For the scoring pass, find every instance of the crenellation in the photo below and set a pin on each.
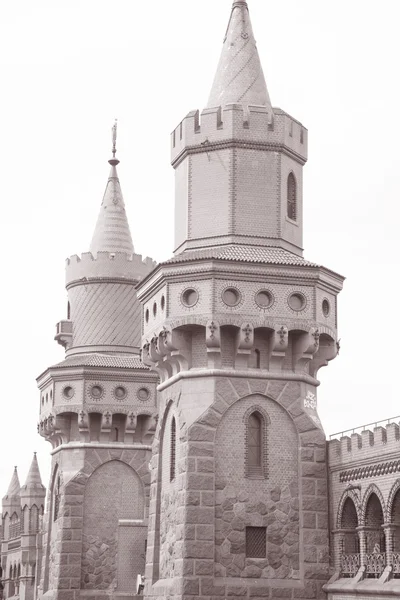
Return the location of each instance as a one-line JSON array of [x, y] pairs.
[[248, 124], [365, 445]]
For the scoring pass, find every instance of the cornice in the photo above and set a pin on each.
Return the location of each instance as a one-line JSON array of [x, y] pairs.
[[96, 445], [237, 143], [96, 279]]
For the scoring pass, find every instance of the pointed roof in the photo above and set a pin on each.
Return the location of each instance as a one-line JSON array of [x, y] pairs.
[[239, 78], [14, 487], [112, 233], [33, 479]]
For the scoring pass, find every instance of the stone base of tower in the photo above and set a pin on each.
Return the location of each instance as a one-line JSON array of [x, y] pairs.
[[225, 522], [95, 532]]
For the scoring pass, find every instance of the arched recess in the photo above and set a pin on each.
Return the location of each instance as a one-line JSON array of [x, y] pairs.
[[393, 514], [111, 553], [374, 519], [349, 523], [255, 424], [356, 501]]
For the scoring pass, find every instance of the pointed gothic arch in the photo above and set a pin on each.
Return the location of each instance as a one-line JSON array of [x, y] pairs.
[[357, 505], [372, 489]]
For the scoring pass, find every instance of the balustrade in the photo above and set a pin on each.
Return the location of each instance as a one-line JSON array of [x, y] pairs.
[[396, 564], [349, 565], [375, 564]]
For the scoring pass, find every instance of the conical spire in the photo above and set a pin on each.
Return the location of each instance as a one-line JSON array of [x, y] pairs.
[[14, 487], [33, 479], [112, 233], [239, 78]]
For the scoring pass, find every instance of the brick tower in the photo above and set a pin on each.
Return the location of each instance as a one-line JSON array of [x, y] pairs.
[[98, 410], [237, 325]]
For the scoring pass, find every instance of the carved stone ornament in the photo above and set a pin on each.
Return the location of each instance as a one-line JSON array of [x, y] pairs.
[[282, 332]]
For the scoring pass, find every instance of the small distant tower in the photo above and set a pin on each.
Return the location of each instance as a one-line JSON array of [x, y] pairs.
[[22, 510], [98, 411], [238, 325]]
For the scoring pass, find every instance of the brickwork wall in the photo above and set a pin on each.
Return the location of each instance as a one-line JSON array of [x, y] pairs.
[[181, 202], [210, 194], [256, 193], [270, 502], [298, 504]]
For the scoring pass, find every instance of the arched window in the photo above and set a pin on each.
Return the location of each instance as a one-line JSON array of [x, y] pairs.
[[57, 498], [34, 519], [255, 443], [68, 311], [15, 526], [258, 358], [291, 197], [172, 472]]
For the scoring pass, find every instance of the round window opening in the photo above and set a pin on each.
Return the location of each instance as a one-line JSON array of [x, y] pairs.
[[264, 299], [68, 392], [297, 302], [143, 394], [120, 392], [155, 309], [231, 296], [147, 315], [96, 392], [326, 309], [190, 297], [162, 302]]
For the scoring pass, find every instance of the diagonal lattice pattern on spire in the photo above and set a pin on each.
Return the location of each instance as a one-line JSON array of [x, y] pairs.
[[239, 78]]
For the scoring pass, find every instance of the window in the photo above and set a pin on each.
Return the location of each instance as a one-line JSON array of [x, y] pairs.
[[68, 311], [291, 197], [173, 450], [258, 358], [256, 542], [255, 444], [57, 498], [15, 527]]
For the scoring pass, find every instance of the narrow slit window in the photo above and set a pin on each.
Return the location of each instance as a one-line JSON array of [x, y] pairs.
[[173, 450], [255, 442], [292, 197]]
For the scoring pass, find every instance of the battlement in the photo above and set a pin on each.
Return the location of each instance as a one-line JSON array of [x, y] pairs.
[[252, 124], [363, 444], [131, 267]]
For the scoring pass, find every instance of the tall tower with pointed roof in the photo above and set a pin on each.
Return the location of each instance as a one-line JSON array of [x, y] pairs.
[[98, 411], [21, 555], [237, 325]]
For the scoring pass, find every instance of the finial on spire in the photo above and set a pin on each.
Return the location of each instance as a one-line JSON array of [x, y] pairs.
[[114, 161]]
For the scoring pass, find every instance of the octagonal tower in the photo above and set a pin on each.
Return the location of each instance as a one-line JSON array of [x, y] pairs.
[[98, 410], [237, 325]]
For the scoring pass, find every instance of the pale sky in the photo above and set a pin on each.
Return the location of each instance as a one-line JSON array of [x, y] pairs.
[[69, 67]]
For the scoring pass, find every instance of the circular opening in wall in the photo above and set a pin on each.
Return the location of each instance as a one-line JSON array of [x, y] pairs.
[[326, 309], [297, 302], [96, 392], [120, 392], [147, 315], [264, 299], [231, 296], [143, 394], [68, 392], [155, 309], [190, 297]]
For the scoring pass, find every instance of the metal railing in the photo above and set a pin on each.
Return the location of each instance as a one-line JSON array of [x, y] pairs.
[[362, 428], [375, 564], [349, 565]]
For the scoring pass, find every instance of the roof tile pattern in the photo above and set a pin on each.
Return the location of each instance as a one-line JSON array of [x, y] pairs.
[[239, 78], [112, 233], [105, 314], [102, 360], [251, 254]]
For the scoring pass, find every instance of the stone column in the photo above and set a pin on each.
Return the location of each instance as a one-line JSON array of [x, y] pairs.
[[389, 533], [363, 544]]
